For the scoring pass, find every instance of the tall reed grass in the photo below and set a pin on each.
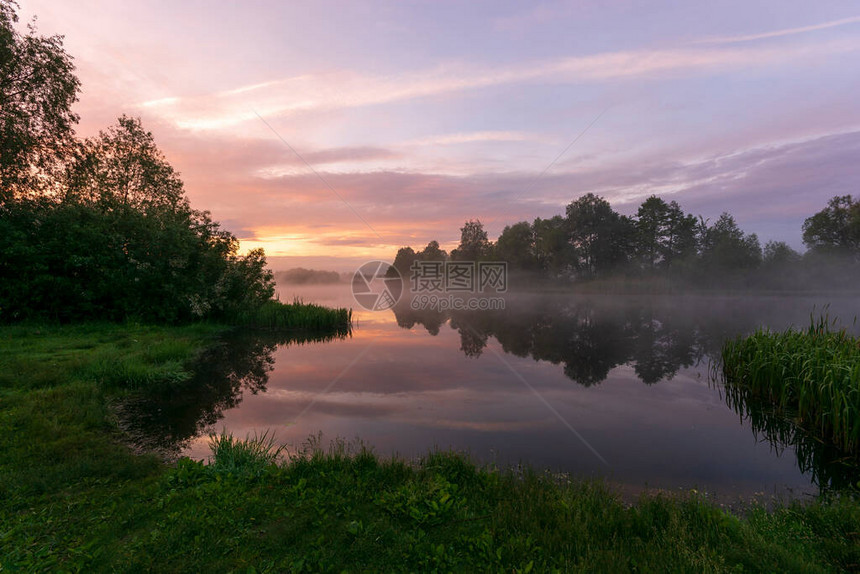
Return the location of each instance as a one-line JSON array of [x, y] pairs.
[[249, 456], [275, 315], [813, 375]]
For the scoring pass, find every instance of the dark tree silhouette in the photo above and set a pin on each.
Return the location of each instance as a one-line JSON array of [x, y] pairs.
[[600, 237], [836, 228], [37, 89], [516, 245], [726, 247], [664, 233], [432, 252], [474, 245]]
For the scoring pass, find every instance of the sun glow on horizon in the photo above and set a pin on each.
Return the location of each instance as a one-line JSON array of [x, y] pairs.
[[419, 129]]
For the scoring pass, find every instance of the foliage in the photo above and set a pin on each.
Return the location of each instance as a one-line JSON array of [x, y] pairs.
[[402, 263], [779, 254], [123, 169], [70, 260], [725, 247], [407, 256], [249, 457], [664, 234], [275, 315], [102, 227], [122, 241], [474, 244], [812, 375], [432, 252], [600, 237], [516, 246], [836, 228], [664, 247], [553, 251], [37, 90]]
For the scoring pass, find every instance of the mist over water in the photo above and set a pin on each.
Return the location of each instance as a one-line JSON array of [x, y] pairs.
[[592, 385]]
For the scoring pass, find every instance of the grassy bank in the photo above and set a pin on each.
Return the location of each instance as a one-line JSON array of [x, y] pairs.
[[812, 375], [74, 498]]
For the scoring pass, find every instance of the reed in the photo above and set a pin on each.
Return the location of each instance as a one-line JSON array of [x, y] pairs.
[[249, 456], [274, 315], [812, 375]]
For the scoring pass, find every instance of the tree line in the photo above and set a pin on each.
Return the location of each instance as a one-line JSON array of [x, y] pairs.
[[591, 240], [100, 227]]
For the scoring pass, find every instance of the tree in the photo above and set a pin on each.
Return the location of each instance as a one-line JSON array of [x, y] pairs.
[[651, 222], [102, 227], [432, 252], [37, 90], [836, 228], [474, 245], [124, 242], [663, 233], [553, 252], [123, 167], [516, 245], [403, 261], [601, 237], [726, 247], [680, 235], [779, 254]]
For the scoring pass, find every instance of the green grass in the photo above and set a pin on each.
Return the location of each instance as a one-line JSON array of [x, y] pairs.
[[812, 375], [74, 498], [249, 457], [275, 315]]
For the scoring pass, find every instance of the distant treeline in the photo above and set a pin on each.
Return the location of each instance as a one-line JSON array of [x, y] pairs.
[[302, 276], [100, 228], [592, 241]]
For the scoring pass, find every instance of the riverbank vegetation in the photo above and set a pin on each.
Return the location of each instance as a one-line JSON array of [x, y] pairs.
[[811, 375], [275, 315], [74, 497]]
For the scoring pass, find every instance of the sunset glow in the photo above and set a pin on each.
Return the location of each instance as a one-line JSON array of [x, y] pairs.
[[332, 133]]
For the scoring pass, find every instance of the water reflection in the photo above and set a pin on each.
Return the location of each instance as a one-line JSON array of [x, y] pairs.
[[829, 467], [407, 381], [589, 337], [165, 422]]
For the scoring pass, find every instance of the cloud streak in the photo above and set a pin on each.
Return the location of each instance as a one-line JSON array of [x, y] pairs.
[[473, 137], [780, 33], [349, 89]]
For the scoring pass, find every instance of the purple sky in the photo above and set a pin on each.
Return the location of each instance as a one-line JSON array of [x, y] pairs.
[[416, 116]]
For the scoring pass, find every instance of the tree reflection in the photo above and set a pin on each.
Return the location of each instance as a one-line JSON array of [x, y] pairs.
[[431, 320], [588, 338], [165, 422]]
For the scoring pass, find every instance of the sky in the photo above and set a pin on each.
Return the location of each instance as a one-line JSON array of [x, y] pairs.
[[333, 133]]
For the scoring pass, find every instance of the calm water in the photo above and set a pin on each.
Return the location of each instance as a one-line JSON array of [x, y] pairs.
[[610, 386]]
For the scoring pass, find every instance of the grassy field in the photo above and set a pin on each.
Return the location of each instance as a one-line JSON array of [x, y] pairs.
[[73, 497]]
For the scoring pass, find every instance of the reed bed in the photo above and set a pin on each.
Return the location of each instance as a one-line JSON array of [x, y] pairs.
[[275, 315], [813, 375]]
